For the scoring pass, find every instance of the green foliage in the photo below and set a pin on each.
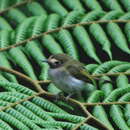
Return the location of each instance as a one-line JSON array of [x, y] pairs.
[[74, 5], [95, 44], [83, 38], [106, 66], [101, 37], [114, 5], [117, 116], [67, 42], [56, 7], [100, 113], [50, 43], [122, 81], [92, 4], [97, 95]]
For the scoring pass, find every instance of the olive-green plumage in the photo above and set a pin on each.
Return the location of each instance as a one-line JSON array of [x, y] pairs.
[[68, 74]]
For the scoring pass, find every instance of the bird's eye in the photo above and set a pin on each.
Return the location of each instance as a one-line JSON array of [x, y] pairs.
[[57, 62]]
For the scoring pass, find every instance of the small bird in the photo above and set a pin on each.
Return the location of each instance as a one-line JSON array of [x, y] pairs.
[[68, 74]]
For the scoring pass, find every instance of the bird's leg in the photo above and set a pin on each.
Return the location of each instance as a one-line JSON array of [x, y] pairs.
[[69, 96], [58, 96]]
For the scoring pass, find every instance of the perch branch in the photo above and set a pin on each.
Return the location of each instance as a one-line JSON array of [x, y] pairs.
[[14, 6], [60, 28], [105, 103], [34, 83], [72, 101], [43, 81], [80, 105]]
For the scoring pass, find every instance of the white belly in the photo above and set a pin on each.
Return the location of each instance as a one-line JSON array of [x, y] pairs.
[[65, 82]]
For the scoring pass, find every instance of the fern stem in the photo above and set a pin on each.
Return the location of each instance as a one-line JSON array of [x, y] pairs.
[[15, 5], [34, 83], [60, 28], [111, 74], [81, 123], [104, 103], [20, 101]]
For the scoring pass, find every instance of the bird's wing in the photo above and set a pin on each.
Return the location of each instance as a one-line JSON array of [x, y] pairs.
[[79, 72]]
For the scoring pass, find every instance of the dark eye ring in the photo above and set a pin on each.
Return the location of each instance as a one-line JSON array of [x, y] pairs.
[[57, 62]]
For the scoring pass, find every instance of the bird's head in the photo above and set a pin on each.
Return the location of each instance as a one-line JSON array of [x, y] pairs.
[[57, 60]]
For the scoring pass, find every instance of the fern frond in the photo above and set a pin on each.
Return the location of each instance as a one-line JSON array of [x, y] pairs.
[[122, 81], [16, 15], [19, 116], [114, 5], [92, 4], [116, 94], [99, 112], [97, 95], [66, 40], [52, 22], [118, 37], [120, 68], [106, 66], [13, 121], [83, 38], [55, 7], [99, 34], [36, 9], [91, 67], [72, 18], [25, 64], [4, 25], [4, 125], [34, 50], [117, 116], [51, 44], [74, 5], [93, 15]]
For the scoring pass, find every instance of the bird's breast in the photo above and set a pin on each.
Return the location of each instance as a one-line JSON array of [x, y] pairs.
[[65, 81]]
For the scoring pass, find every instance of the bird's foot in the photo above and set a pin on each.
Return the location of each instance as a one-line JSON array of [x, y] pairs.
[[58, 96], [69, 96]]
